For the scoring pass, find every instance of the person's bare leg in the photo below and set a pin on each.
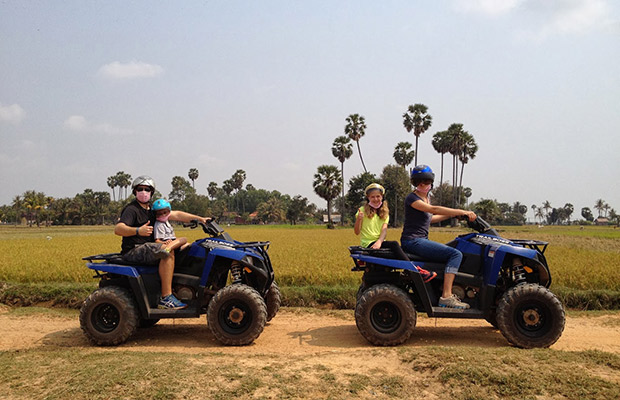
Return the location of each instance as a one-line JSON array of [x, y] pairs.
[[448, 280], [166, 271]]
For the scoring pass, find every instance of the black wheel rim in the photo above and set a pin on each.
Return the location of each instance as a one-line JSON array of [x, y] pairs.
[[105, 318], [385, 317], [235, 317], [533, 319]]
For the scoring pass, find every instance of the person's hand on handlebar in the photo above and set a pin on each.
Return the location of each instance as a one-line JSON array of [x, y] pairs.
[[470, 215]]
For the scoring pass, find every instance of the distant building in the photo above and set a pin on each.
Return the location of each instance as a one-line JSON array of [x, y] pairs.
[[335, 218], [601, 221]]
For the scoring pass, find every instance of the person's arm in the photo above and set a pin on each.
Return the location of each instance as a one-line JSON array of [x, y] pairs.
[[382, 236], [122, 229], [442, 211], [358, 221], [438, 218], [182, 216]]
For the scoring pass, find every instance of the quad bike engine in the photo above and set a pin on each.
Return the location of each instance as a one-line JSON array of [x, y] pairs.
[[184, 293]]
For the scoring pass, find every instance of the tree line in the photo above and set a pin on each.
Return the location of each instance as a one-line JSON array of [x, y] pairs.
[[233, 201]]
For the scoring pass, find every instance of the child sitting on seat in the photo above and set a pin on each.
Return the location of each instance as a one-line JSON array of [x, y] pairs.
[[163, 231]]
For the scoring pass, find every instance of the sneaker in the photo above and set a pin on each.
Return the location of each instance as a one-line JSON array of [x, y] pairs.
[[427, 276], [170, 302], [452, 302], [162, 253]]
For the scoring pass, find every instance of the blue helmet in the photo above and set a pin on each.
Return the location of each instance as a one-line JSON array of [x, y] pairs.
[[422, 173], [161, 204]]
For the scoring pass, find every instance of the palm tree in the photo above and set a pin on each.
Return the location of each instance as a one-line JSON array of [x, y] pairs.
[[112, 185], [18, 203], [355, 129], [327, 185], [441, 144], [546, 206], [416, 118], [469, 150], [455, 136], [193, 175], [342, 149], [403, 155], [599, 206]]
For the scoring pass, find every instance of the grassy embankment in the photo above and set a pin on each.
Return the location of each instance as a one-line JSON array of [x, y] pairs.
[[312, 264]]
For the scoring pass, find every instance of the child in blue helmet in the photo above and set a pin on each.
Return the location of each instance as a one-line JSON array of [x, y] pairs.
[[163, 231]]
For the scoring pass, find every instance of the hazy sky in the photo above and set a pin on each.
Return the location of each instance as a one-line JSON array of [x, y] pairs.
[[89, 88]]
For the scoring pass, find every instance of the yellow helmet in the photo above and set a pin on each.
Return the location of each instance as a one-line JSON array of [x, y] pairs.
[[374, 186]]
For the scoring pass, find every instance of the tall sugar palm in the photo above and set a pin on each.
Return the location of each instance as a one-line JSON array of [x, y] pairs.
[[456, 136], [441, 144], [355, 130], [327, 185], [193, 175], [469, 150], [403, 155], [342, 149], [417, 119], [112, 185], [599, 206]]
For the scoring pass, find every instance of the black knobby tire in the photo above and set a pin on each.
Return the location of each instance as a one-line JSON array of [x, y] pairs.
[[237, 315], [360, 291], [529, 315], [109, 316], [273, 299], [385, 315]]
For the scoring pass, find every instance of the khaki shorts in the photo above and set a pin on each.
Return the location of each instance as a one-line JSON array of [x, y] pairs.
[[143, 254]]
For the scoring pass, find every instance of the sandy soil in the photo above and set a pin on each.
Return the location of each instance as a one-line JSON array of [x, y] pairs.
[[293, 332]]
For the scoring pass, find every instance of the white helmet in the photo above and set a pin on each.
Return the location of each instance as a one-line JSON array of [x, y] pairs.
[[143, 180]]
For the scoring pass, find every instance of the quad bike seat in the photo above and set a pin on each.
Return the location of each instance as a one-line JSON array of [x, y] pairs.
[[114, 258]]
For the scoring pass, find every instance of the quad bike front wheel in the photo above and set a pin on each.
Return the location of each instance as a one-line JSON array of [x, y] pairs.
[[529, 315], [108, 317], [385, 315], [273, 299], [237, 315]]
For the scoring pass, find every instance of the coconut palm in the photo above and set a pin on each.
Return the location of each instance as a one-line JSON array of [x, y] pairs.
[[355, 129], [599, 206], [403, 155], [455, 136], [327, 185], [193, 175], [417, 119], [342, 149]]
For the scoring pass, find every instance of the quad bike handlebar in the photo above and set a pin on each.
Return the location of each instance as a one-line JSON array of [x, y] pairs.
[[211, 227]]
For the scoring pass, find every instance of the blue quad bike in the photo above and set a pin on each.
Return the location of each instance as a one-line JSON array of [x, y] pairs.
[[230, 281], [504, 281]]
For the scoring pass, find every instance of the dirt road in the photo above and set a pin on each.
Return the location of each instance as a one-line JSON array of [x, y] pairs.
[[297, 332]]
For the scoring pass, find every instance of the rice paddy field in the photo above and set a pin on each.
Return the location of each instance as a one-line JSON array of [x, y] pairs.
[[580, 259]]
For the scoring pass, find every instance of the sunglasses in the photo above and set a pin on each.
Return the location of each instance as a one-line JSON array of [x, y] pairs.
[[143, 189]]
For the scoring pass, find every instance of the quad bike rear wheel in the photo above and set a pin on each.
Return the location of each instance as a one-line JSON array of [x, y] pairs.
[[273, 299], [529, 315], [108, 317], [237, 315], [385, 315]]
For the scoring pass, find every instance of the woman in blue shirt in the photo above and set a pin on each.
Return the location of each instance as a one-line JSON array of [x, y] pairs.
[[419, 214]]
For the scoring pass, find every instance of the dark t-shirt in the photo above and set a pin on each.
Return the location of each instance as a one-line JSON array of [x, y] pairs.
[[135, 216], [416, 222]]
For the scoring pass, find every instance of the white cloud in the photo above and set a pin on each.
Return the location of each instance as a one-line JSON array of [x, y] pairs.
[[490, 8], [554, 16], [130, 70], [78, 123], [13, 113], [578, 16]]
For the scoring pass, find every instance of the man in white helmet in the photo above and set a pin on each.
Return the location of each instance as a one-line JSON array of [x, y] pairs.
[[135, 225]]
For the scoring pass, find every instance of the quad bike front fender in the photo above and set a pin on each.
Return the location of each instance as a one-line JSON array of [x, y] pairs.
[[498, 255]]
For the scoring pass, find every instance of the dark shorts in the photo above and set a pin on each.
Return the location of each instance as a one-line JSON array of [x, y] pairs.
[[143, 254]]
